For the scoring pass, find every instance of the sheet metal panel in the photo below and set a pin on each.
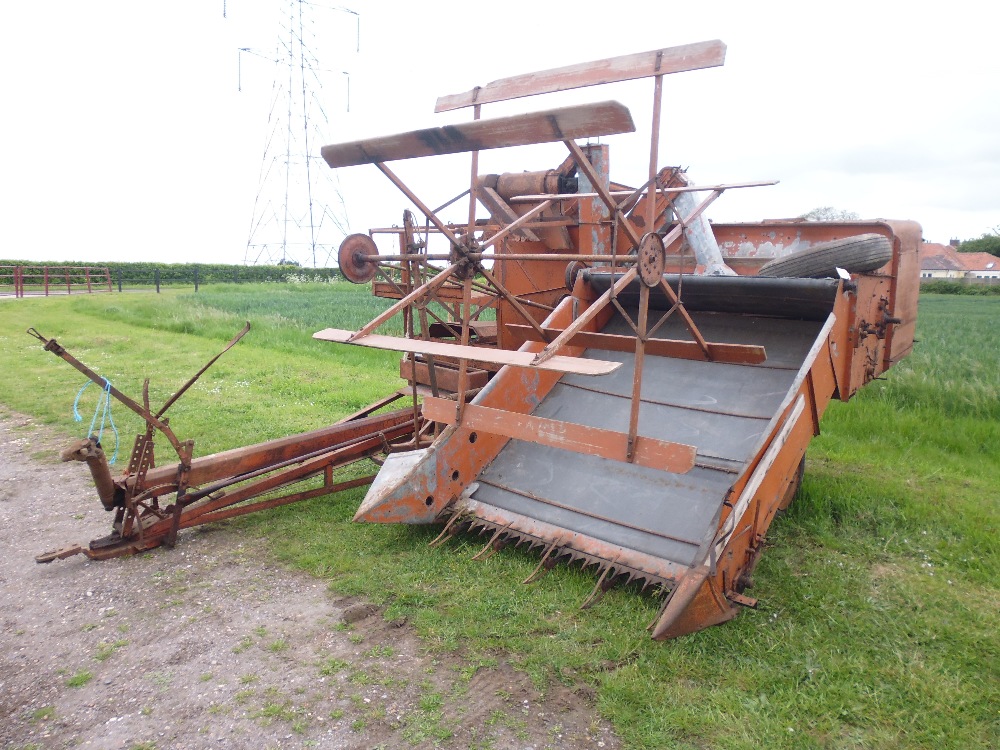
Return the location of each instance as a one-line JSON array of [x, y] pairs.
[[619, 503]]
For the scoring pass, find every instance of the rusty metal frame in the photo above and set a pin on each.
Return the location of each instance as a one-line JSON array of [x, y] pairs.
[[255, 471], [462, 265], [140, 522], [465, 259]]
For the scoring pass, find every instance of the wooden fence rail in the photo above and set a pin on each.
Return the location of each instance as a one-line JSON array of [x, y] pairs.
[[32, 281]]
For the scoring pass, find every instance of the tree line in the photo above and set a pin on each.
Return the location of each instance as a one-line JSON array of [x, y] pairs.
[[143, 272], [988, 243]]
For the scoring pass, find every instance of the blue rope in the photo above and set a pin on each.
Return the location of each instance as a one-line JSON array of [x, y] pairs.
[[76, 413], [104, 409]]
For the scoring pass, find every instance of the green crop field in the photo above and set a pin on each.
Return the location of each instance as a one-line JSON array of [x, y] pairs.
[[880, 607]]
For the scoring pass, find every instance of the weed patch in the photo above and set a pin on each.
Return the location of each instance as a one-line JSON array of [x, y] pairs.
[[79, 679]]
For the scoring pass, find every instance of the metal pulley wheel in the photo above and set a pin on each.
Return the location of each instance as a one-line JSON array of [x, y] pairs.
[[573, 268], [357, 258], [652, 259]]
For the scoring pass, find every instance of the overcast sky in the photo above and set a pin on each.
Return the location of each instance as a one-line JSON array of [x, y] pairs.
[[131, 133]]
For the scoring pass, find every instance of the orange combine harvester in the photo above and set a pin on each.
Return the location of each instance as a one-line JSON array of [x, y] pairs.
[[596, 371]]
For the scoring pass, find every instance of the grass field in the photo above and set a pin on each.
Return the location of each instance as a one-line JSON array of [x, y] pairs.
[[880, 608]]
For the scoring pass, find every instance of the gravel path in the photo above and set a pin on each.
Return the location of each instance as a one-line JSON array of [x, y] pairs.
[[211, 646]]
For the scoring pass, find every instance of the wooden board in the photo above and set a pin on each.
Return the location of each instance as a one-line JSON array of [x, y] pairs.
[[655, 454], [558, 363], [566, 123], [625, 68], [740, 354]]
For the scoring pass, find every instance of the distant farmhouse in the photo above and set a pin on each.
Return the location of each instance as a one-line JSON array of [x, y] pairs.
[[945, 262]]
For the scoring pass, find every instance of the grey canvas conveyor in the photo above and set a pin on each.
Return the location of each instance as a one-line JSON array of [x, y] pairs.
[[725, 410]]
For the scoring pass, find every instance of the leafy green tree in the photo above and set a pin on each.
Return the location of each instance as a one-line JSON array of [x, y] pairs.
[[988, 243], [829, 213]]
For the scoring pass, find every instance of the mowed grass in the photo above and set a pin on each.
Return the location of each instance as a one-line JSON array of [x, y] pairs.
[[879, 604]]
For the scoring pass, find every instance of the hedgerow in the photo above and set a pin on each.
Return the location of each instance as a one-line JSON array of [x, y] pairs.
[[144, 272]]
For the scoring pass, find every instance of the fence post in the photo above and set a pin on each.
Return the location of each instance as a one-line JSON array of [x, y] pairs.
[[156, 278], [45, 277], [18, 282], [86, 275], [69, 282], [119, 280], [196, 279], [236, 276]]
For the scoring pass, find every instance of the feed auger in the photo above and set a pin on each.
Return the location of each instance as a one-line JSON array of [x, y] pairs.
[[604, 375]]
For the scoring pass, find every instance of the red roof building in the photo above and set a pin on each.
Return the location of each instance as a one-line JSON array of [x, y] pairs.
[[945, 262]]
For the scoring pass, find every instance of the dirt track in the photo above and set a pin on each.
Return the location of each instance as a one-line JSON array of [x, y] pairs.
[[210, 646]]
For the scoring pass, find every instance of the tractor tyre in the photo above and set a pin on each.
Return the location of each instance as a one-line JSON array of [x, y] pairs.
[[861, 253]]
